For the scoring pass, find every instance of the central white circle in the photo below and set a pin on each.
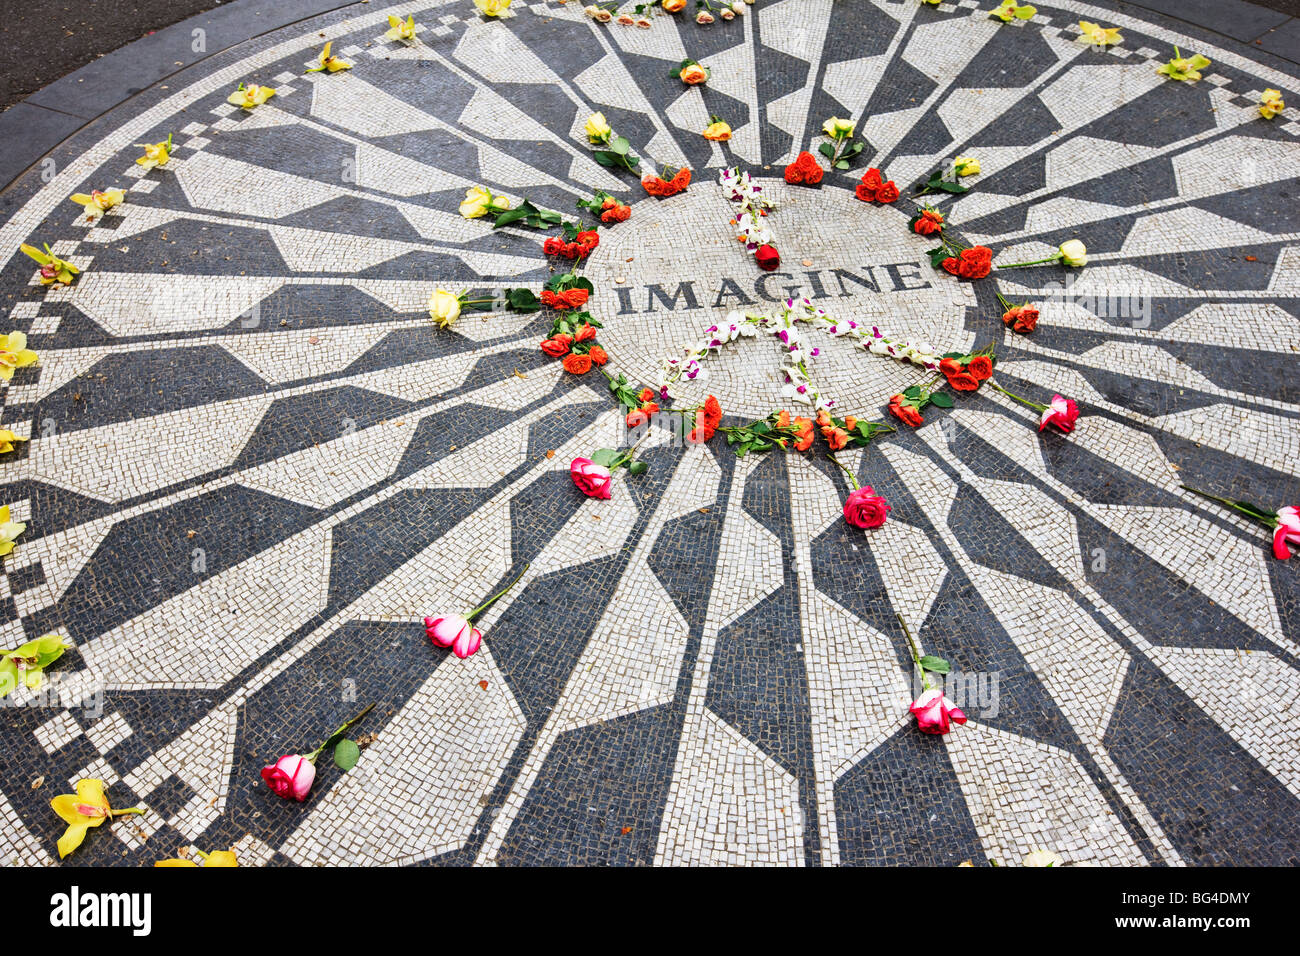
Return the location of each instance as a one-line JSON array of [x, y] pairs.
[[675, 268]]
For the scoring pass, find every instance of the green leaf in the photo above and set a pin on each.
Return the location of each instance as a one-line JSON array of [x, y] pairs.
[[604, 456], [952, 187], [912, 392], [522, 211], [523, 300], [941, 399], [620, 145], [346, 755], [637, 468], [841, 164], [936, 665], [826, 149], [853, 150], [761, 428]]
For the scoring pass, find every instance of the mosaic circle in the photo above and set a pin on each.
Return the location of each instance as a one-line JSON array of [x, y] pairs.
[[253, 464]]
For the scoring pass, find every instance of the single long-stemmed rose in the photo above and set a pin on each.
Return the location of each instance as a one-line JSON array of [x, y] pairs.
[[935, 713], [292, 775], [1284, 522], [1072, 252], [1062, 412], [457, 631], [863, 508]]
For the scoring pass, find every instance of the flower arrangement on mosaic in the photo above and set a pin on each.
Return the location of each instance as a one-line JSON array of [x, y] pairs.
[[752, 208], [606, 208], [292, 775], [457, 631], [1284, 522]]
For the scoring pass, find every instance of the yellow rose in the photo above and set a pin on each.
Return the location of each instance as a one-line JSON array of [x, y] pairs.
[[494, 8], [693, 74], [718, 132], [966, 166], [1270, 103], [1074, 253], [598, 130], [673, 6], [837, 128], [444, 308]]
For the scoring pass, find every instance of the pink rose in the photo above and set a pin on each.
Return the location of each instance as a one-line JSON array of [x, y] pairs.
[[455, 632], [865, 509], [1062, 413], [592, 480], [290, 777], [933, 712], [1288, 530]]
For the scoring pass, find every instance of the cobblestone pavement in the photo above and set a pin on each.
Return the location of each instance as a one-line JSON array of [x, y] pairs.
[[255, 465]]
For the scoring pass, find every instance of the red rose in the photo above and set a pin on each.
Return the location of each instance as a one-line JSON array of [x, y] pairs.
[[636, 418], [950, 265], [655, 186], [872, 179], [576, 364], [586, 332], [865, 193], [557, 346], [981, 366], [906, 413], [767, 257], [589, 239], [865, 509], [1022, 318], [598, 355], [712, 411], [553, 246], [574, 298], [793, 175], [975, 263], [929, 223], [680, 181], [647, 394], [888, 192], [549, 298], [836, 437], [962, 381]]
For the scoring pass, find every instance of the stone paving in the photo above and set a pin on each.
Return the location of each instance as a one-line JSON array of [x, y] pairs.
[[255, 465]]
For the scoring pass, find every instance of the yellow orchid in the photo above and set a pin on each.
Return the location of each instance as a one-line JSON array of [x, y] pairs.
[[1270, 103], [155, 154], [966, 166], [98, 203], [400, 31], [53, 269], [479, 201], [7, 439], [718, 131], [27, 663], [87, 808], [326, 63], [598, 128], [1011, 10], [1184, 68], [9, 531], [444, 308], [215, 858], [837, 128], [1096, 35], [250, 96], [494, 8], [14, 353]]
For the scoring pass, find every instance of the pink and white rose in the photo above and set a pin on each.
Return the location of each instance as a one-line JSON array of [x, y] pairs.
[[455, 632], [935, 713], [1062, 413], [592, 480], [290, 777], [1287, 531]]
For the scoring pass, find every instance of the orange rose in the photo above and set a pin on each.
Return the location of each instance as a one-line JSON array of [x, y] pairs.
[[577, 364], [598, 355], [693, 74]]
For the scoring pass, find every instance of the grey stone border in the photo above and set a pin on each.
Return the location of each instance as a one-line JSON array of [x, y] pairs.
[[33, 127]]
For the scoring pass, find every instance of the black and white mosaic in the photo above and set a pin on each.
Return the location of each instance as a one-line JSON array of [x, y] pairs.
[[255, 465]]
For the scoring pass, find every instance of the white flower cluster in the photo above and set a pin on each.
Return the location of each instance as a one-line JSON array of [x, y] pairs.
[[716, 336], [747, 195], [876, 342]]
